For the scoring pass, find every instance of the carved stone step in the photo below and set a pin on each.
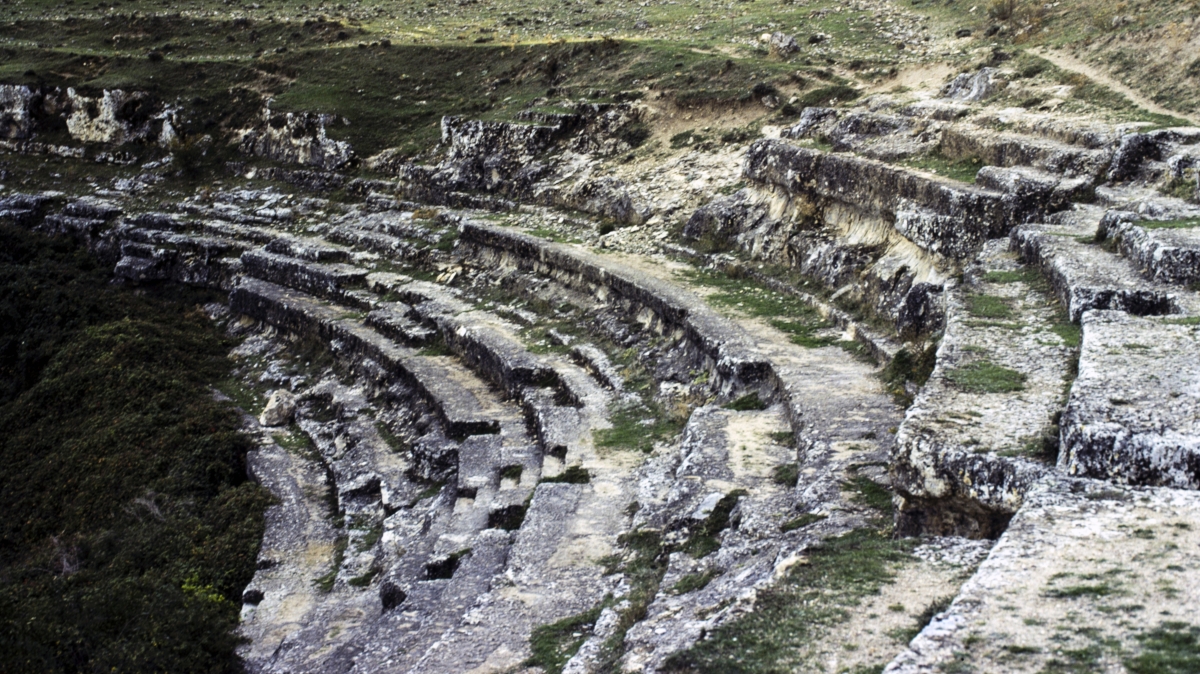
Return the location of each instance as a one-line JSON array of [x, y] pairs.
[[1077, 554], [1134, 411], [329, 281], [976, 436], [1164, 255], [1000, 148], [1085, 276], [301, 313], [725, 346]]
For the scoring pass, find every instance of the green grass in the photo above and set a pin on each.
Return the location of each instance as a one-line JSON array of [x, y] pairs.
[[1186, 320], [512, 472], [364, 579], [986, 377], [637, 428], [326, 581], [801, 522], [784, 312], [1071, 334], [297, 442], [394, 442], [138, 528], [792, 613], [989, 307], [962, 170], [909, 365], [1188, 223], [554, 644], [935, 607], [1024, 275], [867, 492], [702, 540], [694, 581], [749, 402], [1076, 591], [1171, 648], [786, 474]]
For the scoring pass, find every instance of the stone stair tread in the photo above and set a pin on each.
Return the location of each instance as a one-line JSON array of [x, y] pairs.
[[311, 249], [459, 406], [726, 344], [1007, 148], [980, 445], [1076, 554], [1170, 256], [1133, 415], [1085, 276], [328, 280], [392, 319]]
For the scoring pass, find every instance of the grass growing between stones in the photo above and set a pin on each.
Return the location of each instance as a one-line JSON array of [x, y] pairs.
[[785, 313], [909, 366], [693, 582], [986, 377], [131, 526], [554, 644], [811, 598], [962, 170], [637, 428], [989, 306], [1171, 648], [572, 475]]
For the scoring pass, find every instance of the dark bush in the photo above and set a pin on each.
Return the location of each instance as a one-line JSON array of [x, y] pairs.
[[130, 528]]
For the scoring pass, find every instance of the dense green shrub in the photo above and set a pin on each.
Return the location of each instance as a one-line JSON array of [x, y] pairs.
[[130, 528]]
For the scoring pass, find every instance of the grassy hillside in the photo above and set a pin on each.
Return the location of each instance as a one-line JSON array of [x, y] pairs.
[[130, 529]]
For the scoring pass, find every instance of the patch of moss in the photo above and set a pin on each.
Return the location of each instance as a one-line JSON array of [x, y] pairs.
[[779, 633], [555, 644], [1171, 648], [694, 581], [986, 377], [801, 522], [749, 402]]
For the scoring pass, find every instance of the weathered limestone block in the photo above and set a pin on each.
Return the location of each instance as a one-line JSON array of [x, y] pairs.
[[393, 319], [279, 410], [324, 280], [1165, 255], [880, 190], [973, 88], [1077, 550], [963, 141], [297, 138], [1085, 276], [782, 44], [1134, 411], [119, 117], [883, 136], [17, 104]]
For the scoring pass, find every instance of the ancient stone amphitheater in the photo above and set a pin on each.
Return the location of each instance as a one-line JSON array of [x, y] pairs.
[[515, 388]]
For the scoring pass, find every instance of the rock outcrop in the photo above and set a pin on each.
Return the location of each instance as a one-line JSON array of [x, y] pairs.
[[296, 138]]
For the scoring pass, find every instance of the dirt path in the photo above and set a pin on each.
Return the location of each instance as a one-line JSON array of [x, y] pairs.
[[1068, 62]]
